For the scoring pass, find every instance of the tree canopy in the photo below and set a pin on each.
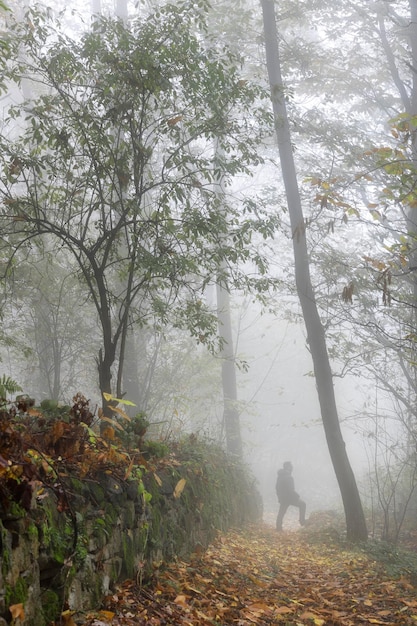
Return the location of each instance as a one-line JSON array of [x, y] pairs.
[[113, 162]]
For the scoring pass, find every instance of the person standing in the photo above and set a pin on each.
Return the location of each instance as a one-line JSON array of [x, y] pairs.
[[287, 496]]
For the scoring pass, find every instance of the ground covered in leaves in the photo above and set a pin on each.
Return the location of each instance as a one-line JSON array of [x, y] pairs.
[[259, 576]]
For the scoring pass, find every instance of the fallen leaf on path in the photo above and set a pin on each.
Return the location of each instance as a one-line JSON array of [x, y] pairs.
[[256, 577]]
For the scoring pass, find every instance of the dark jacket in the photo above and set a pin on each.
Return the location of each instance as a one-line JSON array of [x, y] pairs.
[[285, 487]]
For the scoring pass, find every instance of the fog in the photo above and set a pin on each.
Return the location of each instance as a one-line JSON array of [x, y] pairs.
[[282, 421], [280, 415]]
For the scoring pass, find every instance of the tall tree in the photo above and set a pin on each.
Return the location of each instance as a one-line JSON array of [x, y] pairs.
[[134, 207], [381, 196], [355, 519], [231, 418]]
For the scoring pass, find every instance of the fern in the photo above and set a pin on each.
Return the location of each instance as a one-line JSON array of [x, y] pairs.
[[8, 386]]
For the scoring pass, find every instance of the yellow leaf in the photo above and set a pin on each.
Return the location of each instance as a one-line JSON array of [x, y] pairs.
[[179, 487], [129, 469], [112, 422], [116, 409], [181, 599], [126, 402], [110, 398], [66, 619], [107, 615], [203, 616], [157, 479]]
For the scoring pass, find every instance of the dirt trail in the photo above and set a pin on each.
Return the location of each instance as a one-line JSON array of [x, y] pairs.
[[259, 576]]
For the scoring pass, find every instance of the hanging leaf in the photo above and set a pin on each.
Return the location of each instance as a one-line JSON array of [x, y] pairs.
[[130, 468], [120, 412], [157, 479], [110, 398], [113, 423]]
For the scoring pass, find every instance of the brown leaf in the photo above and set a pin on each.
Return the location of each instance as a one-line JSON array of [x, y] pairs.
[[282, 610], [17, 611], [174, 120]]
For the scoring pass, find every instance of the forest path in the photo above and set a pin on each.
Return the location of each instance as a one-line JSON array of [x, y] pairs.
[[258, 576]]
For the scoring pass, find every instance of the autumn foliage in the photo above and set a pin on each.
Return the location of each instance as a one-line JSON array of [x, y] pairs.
[[40, 447], [246, 577]]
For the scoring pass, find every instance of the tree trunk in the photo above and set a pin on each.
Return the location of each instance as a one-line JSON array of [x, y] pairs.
[[130, 372], [105, 360], [231, 418], [355, 519]]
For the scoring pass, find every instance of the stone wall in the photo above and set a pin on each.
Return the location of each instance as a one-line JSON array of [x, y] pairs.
[[112, 530]]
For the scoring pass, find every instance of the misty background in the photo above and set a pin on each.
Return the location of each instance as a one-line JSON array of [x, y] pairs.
[[350, 118]]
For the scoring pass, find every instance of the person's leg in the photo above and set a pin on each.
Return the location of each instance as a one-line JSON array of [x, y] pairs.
[[282, 510]]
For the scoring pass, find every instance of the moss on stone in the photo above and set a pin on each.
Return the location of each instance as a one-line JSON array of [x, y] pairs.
[[100, 532], [97, 492], [112, 538], [32, 531], [128, 555], [111, 513], [6, 556], [129, 514], [16, 594], [51, 605]]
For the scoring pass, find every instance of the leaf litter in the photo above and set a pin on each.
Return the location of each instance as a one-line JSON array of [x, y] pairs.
[[258, 576]]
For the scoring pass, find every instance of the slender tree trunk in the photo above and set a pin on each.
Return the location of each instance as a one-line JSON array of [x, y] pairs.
[[131, 385], [231, 418], [355, 519], [107, 354]]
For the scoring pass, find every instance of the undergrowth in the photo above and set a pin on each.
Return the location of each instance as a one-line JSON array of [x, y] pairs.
[[396, 560]]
